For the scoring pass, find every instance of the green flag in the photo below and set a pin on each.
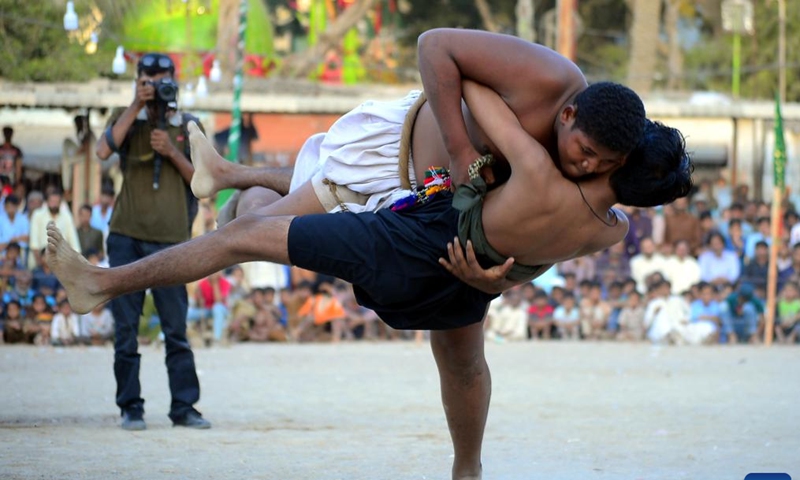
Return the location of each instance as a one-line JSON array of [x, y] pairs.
[[779, 155]]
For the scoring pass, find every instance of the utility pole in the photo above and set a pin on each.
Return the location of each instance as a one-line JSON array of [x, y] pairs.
[[782, 50], [567, 11]]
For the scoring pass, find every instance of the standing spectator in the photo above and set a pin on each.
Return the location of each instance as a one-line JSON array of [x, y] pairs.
[[646, 263], [14, 226], [707, 226], [631, 318], [594, 313], [757, 269], [66, 326], [89, 237], [735, 213], [101, 213], [682, 225], [507, 320], [682, 269], [540, 316], [640, 227], [10, 158], [787, 326], [718, 265], [97, 325], [582, 267], [567, 317], [147, 220], [740, 315], [53, 213]]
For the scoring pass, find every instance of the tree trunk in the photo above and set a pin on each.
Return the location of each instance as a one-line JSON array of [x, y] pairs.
[[227, 33], [675, 54], [304, 63], [526, 23], [486, 15], [644, 44]]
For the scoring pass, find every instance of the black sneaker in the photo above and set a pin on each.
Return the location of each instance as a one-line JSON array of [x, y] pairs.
[[192, 420], [133, 422]]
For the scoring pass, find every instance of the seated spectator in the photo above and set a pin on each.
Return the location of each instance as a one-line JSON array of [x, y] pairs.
[[645, 263], [540, 316], [756, 271], [762, 234], [787, 325], [89, 238], [12, 263], [266, 325], [740, 316], [239, 287], [21, 291], [66, 326], [243, 314], [791, 273], [14, 225], [12, 324], [704, 317], [320, 311], [529, 292], [45, 281], [707, 227], [212, 302], [665, 314], [567, 317], [718, 265], [506, 319], [631, 319], [361, 321], [616, 301], [735, 239], [682, 269], [615, 261], [41, 314], [97, 326], [594, 313]]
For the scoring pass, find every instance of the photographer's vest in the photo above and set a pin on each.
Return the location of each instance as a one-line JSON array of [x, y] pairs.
[[141, 212]]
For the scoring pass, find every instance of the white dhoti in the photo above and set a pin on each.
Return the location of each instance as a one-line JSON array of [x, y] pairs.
[[354, 166]]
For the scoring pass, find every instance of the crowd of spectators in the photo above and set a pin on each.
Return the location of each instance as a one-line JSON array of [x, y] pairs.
[[692, 272]]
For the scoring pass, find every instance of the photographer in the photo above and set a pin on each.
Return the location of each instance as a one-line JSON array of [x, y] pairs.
[[153, 211]]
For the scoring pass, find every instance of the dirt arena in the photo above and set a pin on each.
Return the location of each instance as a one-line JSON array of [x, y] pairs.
[[372, 411]]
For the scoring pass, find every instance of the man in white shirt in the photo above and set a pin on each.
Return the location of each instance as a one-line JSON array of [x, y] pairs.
[[645, 263], [507, 320], [682, 269], [51, 212], [666, 315]]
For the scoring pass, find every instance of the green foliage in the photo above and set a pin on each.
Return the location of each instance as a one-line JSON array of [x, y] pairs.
[[708, 64], [35, 46]]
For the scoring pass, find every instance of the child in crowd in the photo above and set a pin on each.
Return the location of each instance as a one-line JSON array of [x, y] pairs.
[[788, 321], [66, 326], [40, 314], [97, 326], [540, 316], [13, 323], [594, 313], [567, 317], [506, 319], [320, 312], [631, 318]]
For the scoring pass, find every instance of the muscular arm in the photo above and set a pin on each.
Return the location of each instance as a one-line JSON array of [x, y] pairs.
[[523, 73]]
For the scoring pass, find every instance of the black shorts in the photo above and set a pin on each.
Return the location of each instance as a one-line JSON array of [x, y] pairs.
[[391, 258]]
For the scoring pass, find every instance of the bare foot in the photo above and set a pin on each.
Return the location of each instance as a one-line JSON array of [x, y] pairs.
[[228, 211], [209, 166], [73, 271]]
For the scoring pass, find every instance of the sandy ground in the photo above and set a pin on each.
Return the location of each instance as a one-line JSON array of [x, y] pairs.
[[372, 411]]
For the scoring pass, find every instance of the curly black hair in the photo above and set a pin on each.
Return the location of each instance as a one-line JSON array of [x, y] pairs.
[[657, 171], [612, 115]]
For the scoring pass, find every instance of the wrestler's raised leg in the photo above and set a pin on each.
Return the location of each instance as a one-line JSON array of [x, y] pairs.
[[248, 238], [263, 201], [466, 388], [213, 173]]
